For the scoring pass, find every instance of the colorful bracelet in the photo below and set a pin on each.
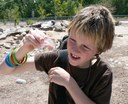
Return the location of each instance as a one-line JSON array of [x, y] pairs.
[[8, 62], [16, 62], [13, 54], [11, 60]]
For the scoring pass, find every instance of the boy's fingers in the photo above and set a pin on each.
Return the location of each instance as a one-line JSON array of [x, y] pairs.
[[38, 33], [40, 36], [51, 70], [32, 39], [50, 77]]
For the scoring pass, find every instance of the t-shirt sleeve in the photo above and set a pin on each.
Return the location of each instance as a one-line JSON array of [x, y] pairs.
[[103, 89], [45, 61]]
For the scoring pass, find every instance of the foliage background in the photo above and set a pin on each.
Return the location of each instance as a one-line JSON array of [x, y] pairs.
[[20, 9]]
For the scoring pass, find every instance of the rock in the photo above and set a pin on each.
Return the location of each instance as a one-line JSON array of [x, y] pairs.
[[21, 30], [36, 25], [120, 35], [65, 23], [118, 30], [3, 36], [18, 41], [58, 27], [10, 31], [48, 25], [1, 30], [7, 46], [21, 81], [1, 33]]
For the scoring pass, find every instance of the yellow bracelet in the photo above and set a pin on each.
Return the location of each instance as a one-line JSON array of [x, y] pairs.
[[16, 62]]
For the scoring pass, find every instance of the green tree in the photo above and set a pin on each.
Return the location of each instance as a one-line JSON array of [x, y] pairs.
[[121, 7], [12, 9], [39, 8]]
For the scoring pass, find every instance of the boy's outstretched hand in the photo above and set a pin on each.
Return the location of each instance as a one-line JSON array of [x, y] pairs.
[[34, 39]]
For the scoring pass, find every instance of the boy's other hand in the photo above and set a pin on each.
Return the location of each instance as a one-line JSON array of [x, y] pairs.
[[59, 76]]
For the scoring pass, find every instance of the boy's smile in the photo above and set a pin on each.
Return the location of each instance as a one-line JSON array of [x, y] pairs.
[[81, 50], [74, 56]]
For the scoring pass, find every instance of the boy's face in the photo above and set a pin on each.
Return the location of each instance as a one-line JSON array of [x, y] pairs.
[[81, 50]]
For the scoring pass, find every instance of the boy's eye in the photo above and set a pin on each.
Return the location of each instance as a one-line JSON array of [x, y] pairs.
[[72, 40], [85, 47]]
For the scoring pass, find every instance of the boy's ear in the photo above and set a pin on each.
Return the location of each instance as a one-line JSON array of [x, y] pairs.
[[97, 55]]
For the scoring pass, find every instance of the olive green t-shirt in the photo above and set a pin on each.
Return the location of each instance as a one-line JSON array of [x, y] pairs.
[[95, 81]]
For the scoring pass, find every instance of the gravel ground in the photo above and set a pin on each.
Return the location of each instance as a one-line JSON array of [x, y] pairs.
[[35, 91]]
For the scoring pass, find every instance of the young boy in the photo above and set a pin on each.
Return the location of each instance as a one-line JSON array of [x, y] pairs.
[[76, 75]]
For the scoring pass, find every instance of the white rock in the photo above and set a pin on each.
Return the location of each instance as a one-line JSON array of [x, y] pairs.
[[21, 81]]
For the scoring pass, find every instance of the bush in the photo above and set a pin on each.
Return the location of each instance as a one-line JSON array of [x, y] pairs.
[[29, 22], [16, 22]]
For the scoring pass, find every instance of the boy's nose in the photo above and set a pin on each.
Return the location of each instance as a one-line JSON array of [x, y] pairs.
[[76, 48]]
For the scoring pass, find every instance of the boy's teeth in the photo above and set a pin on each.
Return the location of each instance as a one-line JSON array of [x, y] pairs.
[[74, 56]]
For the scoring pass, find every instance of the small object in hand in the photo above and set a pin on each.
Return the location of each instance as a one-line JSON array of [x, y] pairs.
[[43, 39], [21, 81]]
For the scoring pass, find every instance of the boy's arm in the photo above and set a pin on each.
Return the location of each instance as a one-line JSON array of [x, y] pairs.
[[29, 65], [32, 40], [77, 94], [61, 77]]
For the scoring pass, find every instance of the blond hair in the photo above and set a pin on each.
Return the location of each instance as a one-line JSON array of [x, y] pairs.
[[95, 22]]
